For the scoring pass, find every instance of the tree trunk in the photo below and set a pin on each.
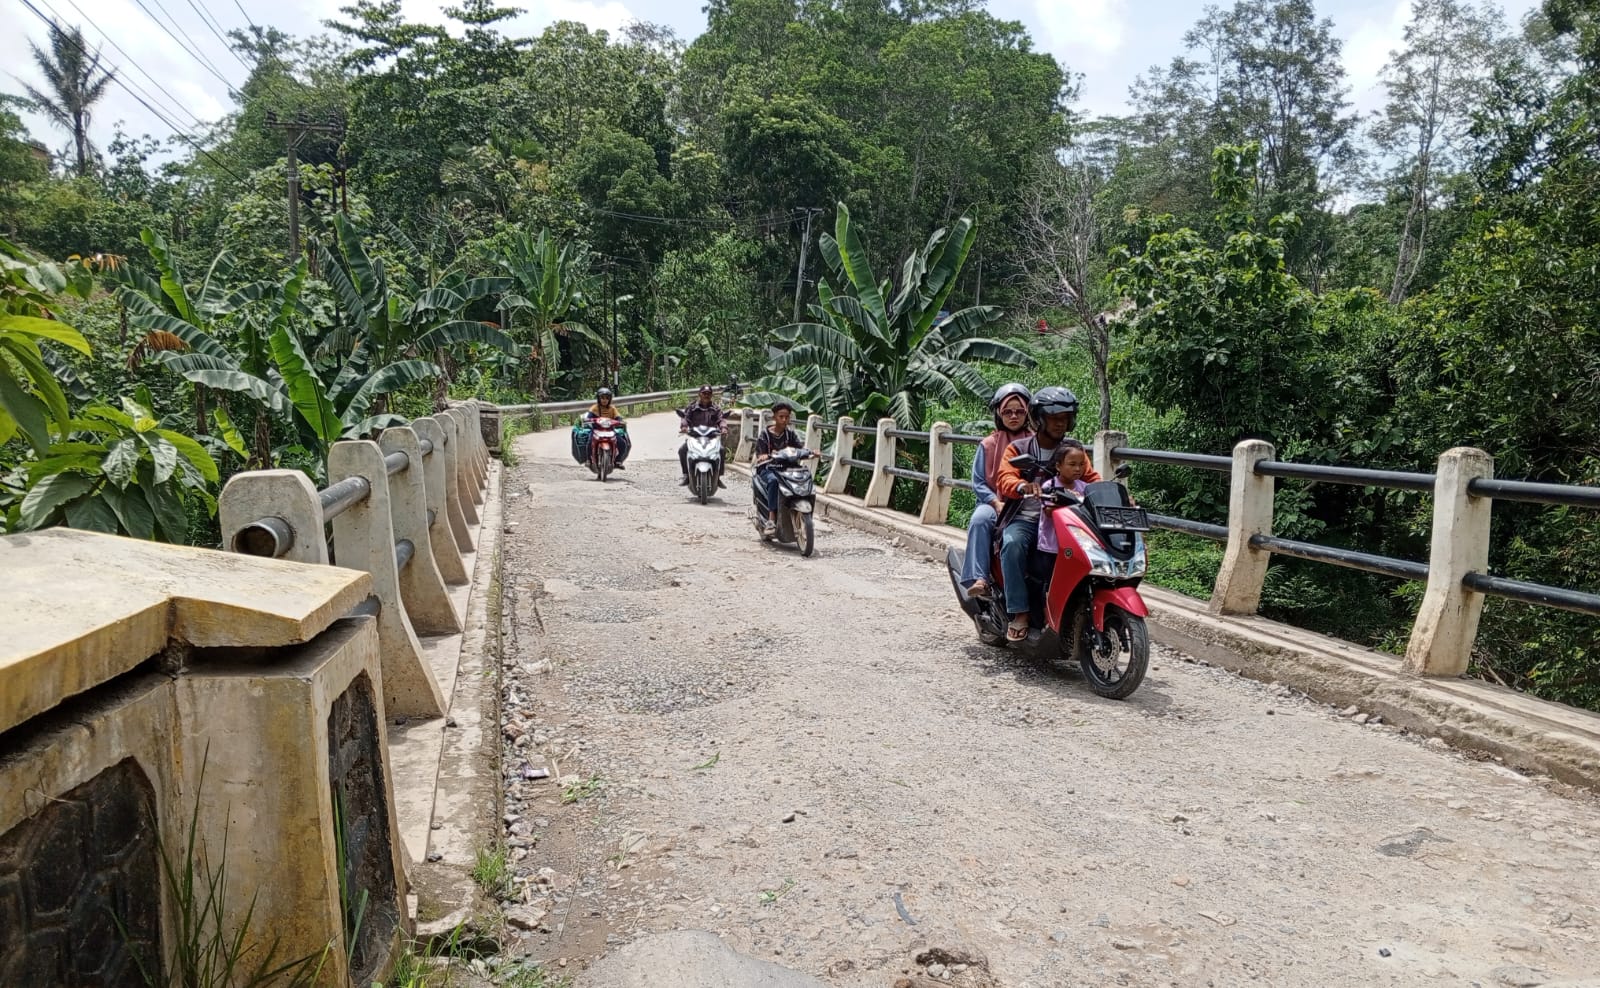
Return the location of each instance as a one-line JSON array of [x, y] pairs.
[[1102, 377], [199, 409], [261, 459]]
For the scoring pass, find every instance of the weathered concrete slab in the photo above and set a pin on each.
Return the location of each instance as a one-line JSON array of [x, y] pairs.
[[689, 959], [81, 608]]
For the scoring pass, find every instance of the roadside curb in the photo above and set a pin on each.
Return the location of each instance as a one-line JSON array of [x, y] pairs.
[[1521, 731]]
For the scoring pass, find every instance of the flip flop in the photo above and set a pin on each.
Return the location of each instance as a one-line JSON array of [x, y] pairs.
[[1016, 632], [979, 588]]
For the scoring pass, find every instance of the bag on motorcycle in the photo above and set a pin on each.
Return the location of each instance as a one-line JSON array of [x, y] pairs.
[[580, 443]]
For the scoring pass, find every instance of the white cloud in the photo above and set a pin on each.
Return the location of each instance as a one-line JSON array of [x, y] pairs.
[[608, 15], [1077, 25], [1366, 51]]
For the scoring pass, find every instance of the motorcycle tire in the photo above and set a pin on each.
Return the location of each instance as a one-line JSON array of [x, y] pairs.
[[804, 534], [603, 466], [1115, 682]]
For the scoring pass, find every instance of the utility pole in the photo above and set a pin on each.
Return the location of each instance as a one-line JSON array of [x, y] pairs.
[[800, 272], [294, 131]]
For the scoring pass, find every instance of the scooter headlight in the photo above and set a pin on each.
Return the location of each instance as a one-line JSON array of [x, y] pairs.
[[1102, 563]]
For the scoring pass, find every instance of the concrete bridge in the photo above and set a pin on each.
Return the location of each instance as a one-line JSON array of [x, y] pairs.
[[812, 761]]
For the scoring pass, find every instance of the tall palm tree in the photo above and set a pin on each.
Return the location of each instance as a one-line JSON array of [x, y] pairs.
[[76, 83]]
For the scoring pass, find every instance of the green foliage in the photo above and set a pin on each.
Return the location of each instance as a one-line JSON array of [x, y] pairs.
[[876, 350], [1223, 333], [113, 470]]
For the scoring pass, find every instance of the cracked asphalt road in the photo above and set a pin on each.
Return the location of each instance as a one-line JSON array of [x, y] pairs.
[[816, 760]]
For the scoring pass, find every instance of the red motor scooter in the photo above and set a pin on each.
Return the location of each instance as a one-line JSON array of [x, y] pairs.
[[1085, 605], [603, 447]]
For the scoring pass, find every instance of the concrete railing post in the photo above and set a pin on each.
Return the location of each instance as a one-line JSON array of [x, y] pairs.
[[1447, 621], [1104, 443], [881, 487], [1244, 567], [468, 469], [941, 463], [446, 554], [844, 444], [462, 513], [813, 440], [749, 430], [286, 494], [363, 539], [422, 586]]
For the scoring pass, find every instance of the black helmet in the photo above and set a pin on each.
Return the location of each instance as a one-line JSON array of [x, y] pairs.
[[602, 393], [705, 389], [1005, 391], [1053, 401]]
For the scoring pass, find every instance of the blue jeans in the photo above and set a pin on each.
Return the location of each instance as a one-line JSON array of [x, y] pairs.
[[768, 479], [1016, 545], [980, 544]]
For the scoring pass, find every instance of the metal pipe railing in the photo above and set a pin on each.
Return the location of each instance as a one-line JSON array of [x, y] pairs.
[[921, 475], [956, 482], [1199, 461], [1533, 593], [861, 430], [404, 550], [858, 464], [1534, 493], [341, 497], [1403, 569], [1205, 530], [1359, 477], [396, 462], [957, 439]]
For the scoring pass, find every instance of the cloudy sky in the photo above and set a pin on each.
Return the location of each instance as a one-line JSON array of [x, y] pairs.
[[1108, 41]]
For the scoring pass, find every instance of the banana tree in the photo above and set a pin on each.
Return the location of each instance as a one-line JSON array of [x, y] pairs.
[[385, 322], [546, 294], [872, 351]]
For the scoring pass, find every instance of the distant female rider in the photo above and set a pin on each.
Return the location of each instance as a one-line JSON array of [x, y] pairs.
[[603, 408], [1010, 408]]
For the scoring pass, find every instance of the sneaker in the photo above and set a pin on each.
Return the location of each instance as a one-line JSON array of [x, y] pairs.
[[720, 485], [683, 481], [618, 466]]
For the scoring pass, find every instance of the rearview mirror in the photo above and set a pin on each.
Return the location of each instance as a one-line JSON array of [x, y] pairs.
[[1024, 463], [1123, 471]]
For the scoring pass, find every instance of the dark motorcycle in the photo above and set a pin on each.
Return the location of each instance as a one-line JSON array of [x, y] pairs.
[[1085, 605], [797, 499]]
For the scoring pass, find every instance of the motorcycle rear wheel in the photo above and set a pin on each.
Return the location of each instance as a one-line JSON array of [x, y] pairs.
[[1108, 675]]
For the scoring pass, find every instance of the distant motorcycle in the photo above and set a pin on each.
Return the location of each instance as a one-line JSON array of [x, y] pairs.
[[797, 500], [704, 453], [603, 446], [1086, 610]]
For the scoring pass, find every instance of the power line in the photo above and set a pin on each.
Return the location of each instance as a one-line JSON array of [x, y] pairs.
[[179, 41], [177, 132], [170, 104], [215, 27], [246, 13]]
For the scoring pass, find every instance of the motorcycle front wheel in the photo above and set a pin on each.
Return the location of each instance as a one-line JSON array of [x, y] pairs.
[[803, 533], [603, 467], [1115, 664]]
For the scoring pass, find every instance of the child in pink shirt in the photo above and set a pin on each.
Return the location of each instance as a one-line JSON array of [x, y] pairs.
[[1069, 476]]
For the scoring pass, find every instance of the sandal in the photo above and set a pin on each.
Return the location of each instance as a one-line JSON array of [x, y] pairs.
[[979, 588], [1017, 630]]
